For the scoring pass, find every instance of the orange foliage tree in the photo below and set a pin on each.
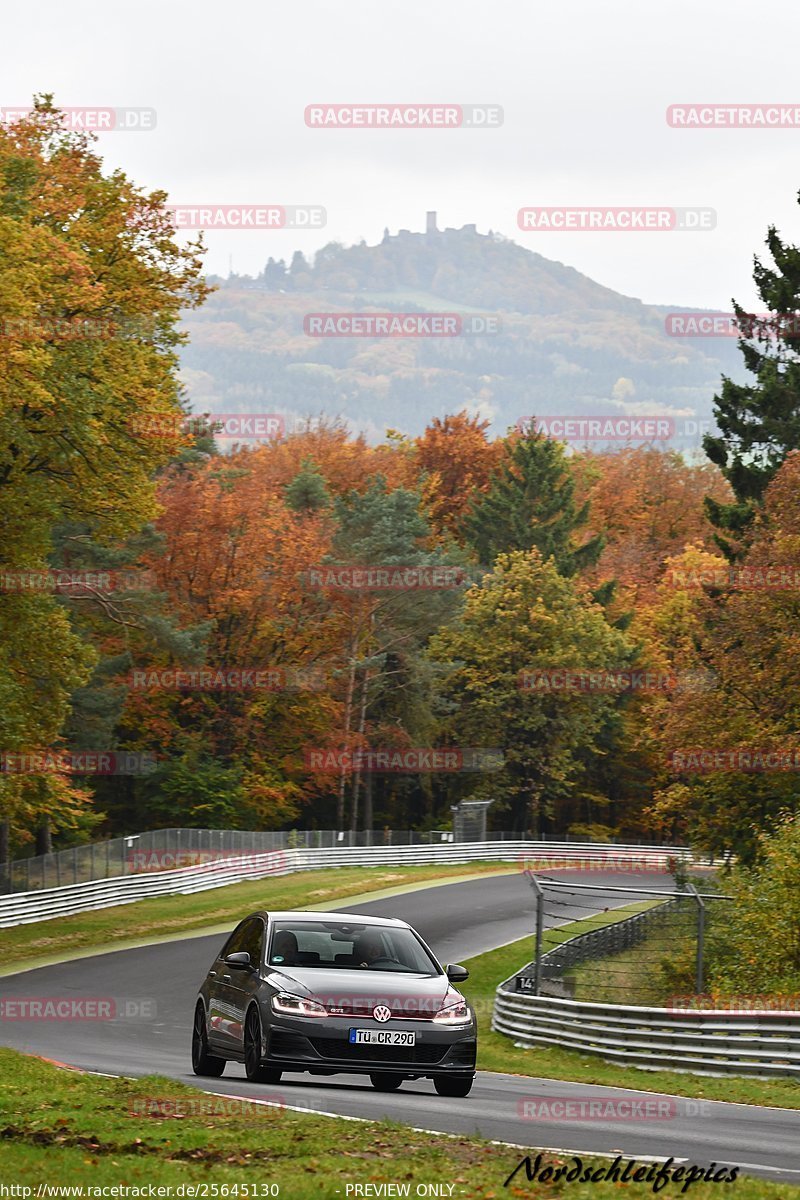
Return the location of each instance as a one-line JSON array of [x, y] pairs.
[[649, 505], [733, 629], [236, 558], [457, 460]]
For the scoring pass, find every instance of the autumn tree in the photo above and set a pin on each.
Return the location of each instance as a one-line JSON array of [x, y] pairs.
[[346, 463], [755, 941], [523, 617], [386, 679], [457, 460], [733, 626], [529, 504], [648, 504], [308, 491], [759, 421], [236, 561], [91, 288]]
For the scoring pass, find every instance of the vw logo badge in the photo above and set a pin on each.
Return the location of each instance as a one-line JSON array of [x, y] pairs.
[[381, 1013]]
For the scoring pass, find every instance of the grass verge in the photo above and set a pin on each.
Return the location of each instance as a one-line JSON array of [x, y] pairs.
[[149, 920], [564, 933], [58, 1127]]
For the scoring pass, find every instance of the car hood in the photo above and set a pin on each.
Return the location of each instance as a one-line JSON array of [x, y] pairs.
[[354, 992]]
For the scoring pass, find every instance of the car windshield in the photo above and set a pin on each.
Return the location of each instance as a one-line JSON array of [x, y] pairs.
[[348, 945]]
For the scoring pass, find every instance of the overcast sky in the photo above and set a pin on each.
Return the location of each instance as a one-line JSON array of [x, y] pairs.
[[584, 87]]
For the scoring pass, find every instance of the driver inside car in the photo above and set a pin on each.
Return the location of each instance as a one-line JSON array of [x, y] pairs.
[[368, 949], [284, 948]]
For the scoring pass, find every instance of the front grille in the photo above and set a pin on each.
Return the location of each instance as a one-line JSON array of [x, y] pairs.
[[422, 1053], [363, 1013]]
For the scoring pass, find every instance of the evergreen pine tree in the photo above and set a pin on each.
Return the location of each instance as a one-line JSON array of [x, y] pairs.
[[759, 421], [531, 503], [308, 491]]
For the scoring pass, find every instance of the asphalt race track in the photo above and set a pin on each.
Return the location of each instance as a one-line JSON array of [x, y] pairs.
[[158, 986]]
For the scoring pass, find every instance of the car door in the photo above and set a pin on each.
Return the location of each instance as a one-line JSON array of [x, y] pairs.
[[222, 1013], [243, 984]]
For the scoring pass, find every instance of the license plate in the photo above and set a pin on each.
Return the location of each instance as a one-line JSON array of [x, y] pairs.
[[383, 1037]]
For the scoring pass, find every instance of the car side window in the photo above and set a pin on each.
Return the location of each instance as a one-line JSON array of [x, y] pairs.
[[236, 942], [253, 941]]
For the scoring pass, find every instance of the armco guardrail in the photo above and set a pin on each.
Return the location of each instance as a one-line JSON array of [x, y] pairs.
[[181, 847], [708, 1042], [46, 904]]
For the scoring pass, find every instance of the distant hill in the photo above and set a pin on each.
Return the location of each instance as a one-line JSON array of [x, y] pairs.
[[566, 345]]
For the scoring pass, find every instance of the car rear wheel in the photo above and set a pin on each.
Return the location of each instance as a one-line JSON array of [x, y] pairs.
[[384, 1082], [203, 1063], [252, 1051], [447, 1085]]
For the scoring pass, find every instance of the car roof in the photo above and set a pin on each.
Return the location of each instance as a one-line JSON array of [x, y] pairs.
[[304, 914]]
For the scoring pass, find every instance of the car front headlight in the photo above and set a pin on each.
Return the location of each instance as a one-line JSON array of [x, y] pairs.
[[296, 1006], [453, 1014]]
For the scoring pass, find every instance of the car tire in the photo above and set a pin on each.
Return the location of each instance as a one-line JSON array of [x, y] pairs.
[[450, 1085], [382, 1081], [252, 1051], [203, 1063]]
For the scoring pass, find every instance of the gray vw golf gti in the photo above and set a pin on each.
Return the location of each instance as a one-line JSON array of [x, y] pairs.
[[331, 992]]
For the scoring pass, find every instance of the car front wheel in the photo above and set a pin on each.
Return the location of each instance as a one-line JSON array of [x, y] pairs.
[[447, 1085], [203, 1063], [252, 1051]]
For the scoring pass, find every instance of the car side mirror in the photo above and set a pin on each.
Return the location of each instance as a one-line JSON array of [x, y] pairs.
[[456, 973], [240, 961]]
